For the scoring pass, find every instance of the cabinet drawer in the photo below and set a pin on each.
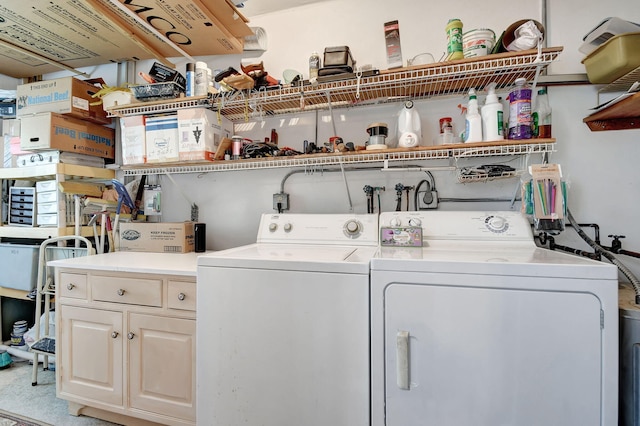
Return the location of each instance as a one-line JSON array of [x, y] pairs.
[[182, 295], [133, 291], [73, 285]]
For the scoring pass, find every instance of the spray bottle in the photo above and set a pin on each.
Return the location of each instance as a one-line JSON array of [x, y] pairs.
[[409, 127], [492, 116], [473, 121]]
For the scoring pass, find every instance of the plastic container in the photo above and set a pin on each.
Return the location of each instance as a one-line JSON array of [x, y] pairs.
[[472, 121], [409, 127], [492, 116], [454, 39], [542, 116], [613, 59], [201, 85], [478, 42], [520, 110], [314, 65]]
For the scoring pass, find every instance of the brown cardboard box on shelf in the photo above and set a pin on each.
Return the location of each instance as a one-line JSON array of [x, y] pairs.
[[66, 95], [157, 237], [49, 130]]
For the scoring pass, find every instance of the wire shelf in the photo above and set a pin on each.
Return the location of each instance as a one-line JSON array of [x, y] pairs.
[[439, 79], [359, 157]]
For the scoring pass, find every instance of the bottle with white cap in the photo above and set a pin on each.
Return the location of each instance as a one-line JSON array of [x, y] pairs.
[[473, 121], [492, 113]]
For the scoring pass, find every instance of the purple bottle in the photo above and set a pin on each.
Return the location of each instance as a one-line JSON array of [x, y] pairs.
[[520, 110]]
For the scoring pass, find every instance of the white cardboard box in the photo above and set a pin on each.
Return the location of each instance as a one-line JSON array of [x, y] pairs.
[[133, 137], [157, 237], [162, 139], [200, 132]]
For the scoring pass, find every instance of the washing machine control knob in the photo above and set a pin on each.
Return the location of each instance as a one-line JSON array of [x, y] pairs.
[[287, 227], [352, 228], [273, 227], [395, 222], [414, 221], [497, 223]]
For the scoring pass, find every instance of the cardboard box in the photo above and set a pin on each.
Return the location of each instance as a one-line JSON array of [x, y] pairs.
[[66, 95], [161, 139], [133, 136], [200, 133], [157, 237], [56, 131]]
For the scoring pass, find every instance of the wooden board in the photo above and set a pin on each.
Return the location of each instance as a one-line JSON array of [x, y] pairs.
[[619, 116]]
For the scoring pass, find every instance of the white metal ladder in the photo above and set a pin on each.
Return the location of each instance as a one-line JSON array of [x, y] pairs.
[[45, 288]]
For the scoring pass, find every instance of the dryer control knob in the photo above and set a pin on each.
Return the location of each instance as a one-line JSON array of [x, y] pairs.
[[497, 223], [287, 227], [273, 227], [395, 222], [414, 221], [352, 228]]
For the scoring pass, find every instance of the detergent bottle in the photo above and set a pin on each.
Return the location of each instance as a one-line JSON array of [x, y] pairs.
[[520, 110], [409, 127], [473, 121], [492, 116]]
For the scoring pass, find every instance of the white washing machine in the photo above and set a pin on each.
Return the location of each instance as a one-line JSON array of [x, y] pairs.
[[481, 327], [283, 324]]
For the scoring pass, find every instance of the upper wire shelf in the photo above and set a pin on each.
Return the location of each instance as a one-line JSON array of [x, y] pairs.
[[426, 81], [313, 161]]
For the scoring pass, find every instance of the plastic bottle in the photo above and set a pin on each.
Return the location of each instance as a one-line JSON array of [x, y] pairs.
[[314, 65], [454, 39], [492, 116], [520, 110], [201, 85], [409, 127], [542, 116], [473, 121]]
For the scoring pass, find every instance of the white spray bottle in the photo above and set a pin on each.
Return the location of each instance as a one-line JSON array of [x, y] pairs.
[[492, 116], [409, 127], [473, 121]]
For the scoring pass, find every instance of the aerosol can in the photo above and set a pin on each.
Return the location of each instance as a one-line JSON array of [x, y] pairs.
[[409, 127]]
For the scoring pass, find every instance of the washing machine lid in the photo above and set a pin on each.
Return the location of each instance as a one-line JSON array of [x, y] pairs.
[[293, 257], [491, 259]]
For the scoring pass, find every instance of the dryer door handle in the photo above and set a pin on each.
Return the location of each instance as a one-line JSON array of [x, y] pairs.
[[402, 359]]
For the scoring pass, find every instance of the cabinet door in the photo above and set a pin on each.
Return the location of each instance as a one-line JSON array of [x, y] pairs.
[[162, 365], [91, 354], [491, 356]]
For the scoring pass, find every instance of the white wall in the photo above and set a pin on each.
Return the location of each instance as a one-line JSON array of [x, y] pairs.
[[599, 166]]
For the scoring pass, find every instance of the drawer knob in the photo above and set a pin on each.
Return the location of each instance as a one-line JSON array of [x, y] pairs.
[[120, 292], [114, 334], [130, 335], [70, 286], [181, 296]]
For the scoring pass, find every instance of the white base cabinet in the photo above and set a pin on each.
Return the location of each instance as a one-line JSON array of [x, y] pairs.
[[126, 345]]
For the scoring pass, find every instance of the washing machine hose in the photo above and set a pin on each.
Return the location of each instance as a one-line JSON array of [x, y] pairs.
[[621, 267]]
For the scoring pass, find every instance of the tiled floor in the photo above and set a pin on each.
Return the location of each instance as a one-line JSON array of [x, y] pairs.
[[37, 402]]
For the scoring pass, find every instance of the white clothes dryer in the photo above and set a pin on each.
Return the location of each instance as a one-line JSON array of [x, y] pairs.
[[482, 327], [283, 324]]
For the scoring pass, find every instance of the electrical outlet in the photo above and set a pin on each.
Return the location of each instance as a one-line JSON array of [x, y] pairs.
[[427, 200], [281, 202]]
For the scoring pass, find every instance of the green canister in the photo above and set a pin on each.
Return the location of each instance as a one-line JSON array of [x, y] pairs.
[[454, 39]]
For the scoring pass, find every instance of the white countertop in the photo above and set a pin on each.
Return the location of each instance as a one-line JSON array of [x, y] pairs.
[[127, 261]]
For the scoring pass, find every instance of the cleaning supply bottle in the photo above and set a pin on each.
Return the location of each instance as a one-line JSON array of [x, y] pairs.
[[473, 121], [542, 116], [520, 110], [454, 39], [409, 127], [492, 116]]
